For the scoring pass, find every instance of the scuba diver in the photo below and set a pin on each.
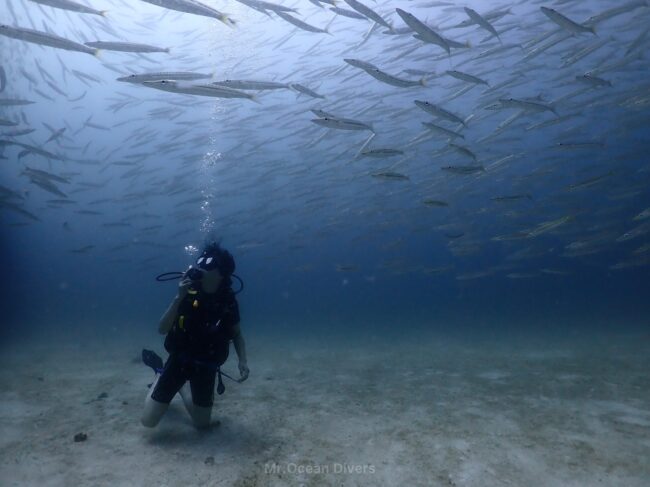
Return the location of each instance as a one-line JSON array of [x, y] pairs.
[[200, 323]]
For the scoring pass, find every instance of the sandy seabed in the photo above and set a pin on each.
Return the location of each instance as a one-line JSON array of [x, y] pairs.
[[368, 411]]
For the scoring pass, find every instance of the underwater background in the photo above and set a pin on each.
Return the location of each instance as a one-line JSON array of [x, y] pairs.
[[320, 242], [440, 212]]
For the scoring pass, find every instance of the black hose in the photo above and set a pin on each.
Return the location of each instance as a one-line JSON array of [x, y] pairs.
[[241, 284], [230, 377], [169, 276]]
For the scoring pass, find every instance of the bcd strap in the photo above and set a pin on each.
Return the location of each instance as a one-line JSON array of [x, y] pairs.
[[220, 387]]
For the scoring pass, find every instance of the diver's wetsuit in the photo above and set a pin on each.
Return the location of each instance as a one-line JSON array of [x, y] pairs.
[[198, 343]]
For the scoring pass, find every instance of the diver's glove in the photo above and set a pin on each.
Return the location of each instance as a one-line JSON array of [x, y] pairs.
[[243, 371]]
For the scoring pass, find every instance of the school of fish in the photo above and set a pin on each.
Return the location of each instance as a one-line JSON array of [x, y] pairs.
[[514, 129]]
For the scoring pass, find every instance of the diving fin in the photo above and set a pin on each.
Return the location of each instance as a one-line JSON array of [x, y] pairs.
[[153, 360]]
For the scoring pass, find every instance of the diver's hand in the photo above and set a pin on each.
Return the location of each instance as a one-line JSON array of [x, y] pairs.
[[183, 286], [243, 371]]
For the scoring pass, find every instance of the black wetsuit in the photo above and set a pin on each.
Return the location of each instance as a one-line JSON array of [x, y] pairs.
[[198, 343]]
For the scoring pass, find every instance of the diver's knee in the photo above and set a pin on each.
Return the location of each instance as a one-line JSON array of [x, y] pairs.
[[149, 422], [153, 412]]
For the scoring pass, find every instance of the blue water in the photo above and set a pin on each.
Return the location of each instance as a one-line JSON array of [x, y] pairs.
[[472, 314], [320, 242]]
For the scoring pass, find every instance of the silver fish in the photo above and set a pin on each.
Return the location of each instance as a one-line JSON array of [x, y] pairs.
[[7, 102], [510, 198], [31, 148], [300, 24], [304, 90], [528, 105], [368, 12], [590, 182], [347, 13], [425, 33], [389, 79], [439, 111], [322, 113], [48, 186], [382, 153], [613, 12], [200, 90], [83, 250], [442, 130], [72, 6], [391, 175], [125, 46], [493, 15], [463, 151], [40, 174], [9, 193], [262, 6], [55, 135], [342, 124], [165, 75], [481, 21], [467, 77], [565, 22], [644, 215], [14, 207], [580, 145], [593, 80], [16, 132], [635, 232], [250, 85], [463, 170], [44, 39], [435, 203], [193, 7], [548, 226], [637, 42], [643, 249]]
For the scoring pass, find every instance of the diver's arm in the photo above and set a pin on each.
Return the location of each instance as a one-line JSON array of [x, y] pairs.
[[238, 341], [240, 348], [168, 317]]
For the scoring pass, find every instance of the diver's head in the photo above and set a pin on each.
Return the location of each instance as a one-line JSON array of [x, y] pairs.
[[217, 265]]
